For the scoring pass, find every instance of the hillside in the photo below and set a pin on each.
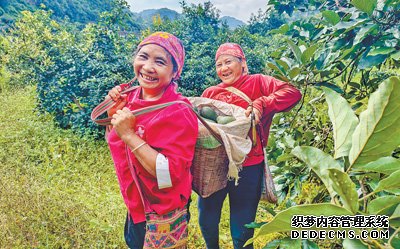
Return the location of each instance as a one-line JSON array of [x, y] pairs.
[[77, 11], [232, 22], [86, 11], [146, 16]]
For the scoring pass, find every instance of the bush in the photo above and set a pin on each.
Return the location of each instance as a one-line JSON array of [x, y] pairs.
[[81, 75]]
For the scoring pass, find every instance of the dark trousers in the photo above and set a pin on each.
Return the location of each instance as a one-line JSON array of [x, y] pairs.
[[243, 202], [134, 233]]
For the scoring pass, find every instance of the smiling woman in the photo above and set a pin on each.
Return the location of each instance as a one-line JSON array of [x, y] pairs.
[[261, 96], [154, 69], [153, 152]]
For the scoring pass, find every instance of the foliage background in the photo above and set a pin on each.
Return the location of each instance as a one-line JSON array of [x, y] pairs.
[[57, 186]]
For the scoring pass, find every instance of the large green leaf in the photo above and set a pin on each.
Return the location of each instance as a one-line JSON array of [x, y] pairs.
[[381, 50], [343, 119], [331, 16], [396, 213], [350, 25], [308, 53], [273, 244], [396, 56], [281, 30], [393, 191], [294, 72], [366, 6], [364, 32], [288, 243], [395, 223], [331, 86], [378, 131], [307, 244], [345, 188], [391, 182], [370, 61], [274, 66], [282, 221], [353, 244], [395, 243], [382, 204], [384, 165], [319, 162], [295, 49]]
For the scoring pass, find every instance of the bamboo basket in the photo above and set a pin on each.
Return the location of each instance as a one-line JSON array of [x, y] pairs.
[[209, 167]]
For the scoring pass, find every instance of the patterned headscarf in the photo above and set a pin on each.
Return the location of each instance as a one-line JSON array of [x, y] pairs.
[[170, 43], [233, 49]]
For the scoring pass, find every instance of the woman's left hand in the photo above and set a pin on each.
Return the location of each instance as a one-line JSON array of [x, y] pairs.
[[257, 113], [124, 123]]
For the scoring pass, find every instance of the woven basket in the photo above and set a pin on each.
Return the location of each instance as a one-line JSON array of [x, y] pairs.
[[209, 168]]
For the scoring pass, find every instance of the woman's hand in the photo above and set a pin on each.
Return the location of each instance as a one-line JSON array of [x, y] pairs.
[[124, 123], [257, 113], [119, 99]]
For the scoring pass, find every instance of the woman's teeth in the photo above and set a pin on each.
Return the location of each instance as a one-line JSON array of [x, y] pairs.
[[148, 78]]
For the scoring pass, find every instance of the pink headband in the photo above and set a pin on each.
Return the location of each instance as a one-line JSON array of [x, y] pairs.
[[170, 43], [233, 49], [230, 49]]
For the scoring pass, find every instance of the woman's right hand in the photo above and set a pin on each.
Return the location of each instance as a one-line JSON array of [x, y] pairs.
[[119, 99]]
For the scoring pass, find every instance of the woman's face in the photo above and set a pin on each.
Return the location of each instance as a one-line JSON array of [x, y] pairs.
[[153, 68], [229, 68]]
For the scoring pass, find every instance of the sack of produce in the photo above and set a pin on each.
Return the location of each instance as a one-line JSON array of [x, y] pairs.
[[214, 163]]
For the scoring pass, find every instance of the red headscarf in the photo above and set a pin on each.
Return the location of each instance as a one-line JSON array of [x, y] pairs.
[[233, 49], [170, 43]]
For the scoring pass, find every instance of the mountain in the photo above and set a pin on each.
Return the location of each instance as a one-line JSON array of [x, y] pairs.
[[80, 12], [232, 22], [75, 10], [147, 15], [86, 11]]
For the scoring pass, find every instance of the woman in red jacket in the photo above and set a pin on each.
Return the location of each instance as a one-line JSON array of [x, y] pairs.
[[159, 145], [268, 96]]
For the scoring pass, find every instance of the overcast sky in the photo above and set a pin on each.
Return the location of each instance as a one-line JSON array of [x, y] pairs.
[[240, 9]]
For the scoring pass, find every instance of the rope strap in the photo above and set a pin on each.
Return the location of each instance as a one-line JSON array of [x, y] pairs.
[[109, 103], [252, 115]]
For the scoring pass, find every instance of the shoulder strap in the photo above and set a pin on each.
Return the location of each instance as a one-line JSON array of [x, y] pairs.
[[239, 93], [146, 204], [248, 100], [108, 103]]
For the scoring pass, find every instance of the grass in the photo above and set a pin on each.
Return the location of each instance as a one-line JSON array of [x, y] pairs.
[[59, 190]]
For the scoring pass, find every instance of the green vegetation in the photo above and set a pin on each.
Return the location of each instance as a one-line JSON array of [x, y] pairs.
[[58, 188], [80, 12]]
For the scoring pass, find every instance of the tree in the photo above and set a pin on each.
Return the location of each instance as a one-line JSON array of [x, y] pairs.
[[350, 50], [356, 140], [83, 69]]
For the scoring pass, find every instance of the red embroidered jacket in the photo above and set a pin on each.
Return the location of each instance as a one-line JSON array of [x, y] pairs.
[[171, 131]]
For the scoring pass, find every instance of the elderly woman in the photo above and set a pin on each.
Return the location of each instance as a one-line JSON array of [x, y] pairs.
[[268, 96], [153, 152]]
